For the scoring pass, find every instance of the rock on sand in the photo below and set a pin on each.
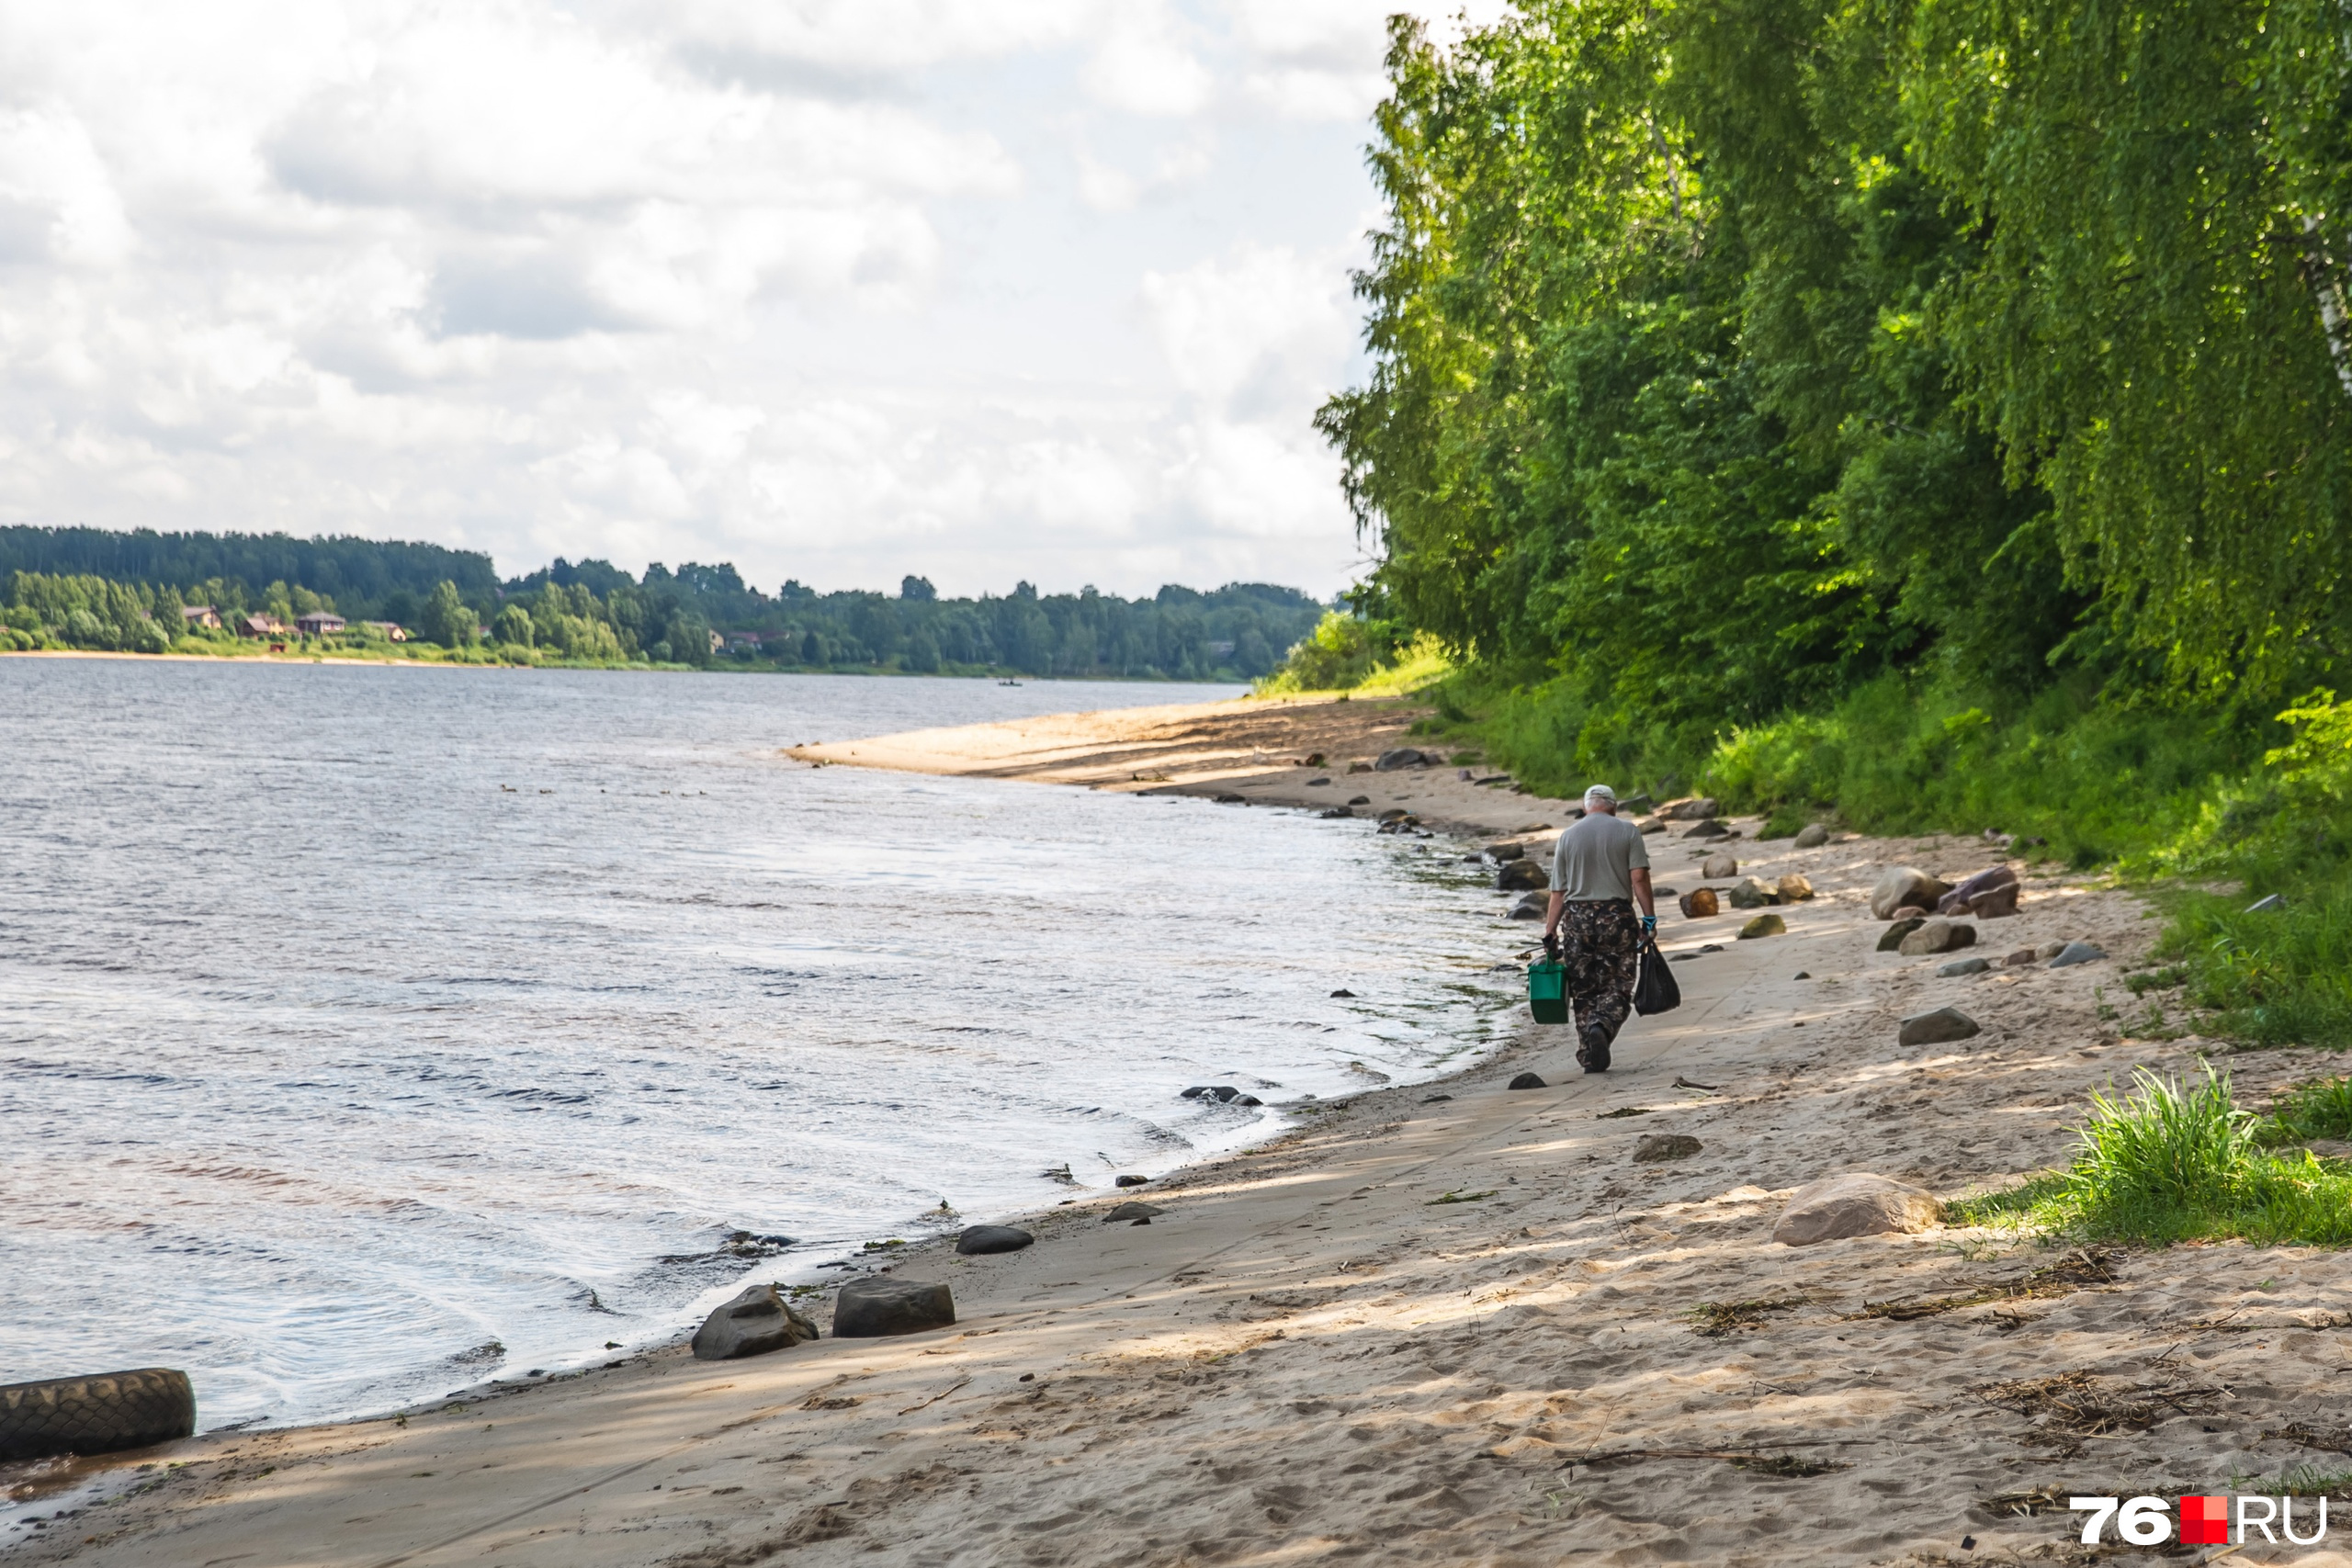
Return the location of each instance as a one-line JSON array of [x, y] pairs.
[[1893, 940], [1941, 1027], [1859, 1205], [1659, 1146], [1905, 885], [756, 1322], [992, 1238], [1812, 835], [1938, 936], [868, 1309], [1764, 925]]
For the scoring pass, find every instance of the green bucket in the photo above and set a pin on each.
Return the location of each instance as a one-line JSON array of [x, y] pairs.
[[1547, 991]]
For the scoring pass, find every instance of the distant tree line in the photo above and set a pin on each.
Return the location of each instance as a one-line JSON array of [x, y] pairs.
[[87, 592]]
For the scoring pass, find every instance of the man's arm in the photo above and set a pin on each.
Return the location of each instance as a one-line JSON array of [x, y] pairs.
[[1552, 914], [1641, 880]]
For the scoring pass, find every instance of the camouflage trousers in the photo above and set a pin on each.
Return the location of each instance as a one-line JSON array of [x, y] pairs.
[[1601, 948]]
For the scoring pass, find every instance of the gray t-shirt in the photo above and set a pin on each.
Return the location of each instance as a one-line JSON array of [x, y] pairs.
[[1595, 859]]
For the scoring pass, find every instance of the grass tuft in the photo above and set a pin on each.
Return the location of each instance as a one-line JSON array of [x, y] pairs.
[[2180, 1162]]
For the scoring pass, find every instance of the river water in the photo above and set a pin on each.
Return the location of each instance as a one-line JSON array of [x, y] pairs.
[[368, 1032]]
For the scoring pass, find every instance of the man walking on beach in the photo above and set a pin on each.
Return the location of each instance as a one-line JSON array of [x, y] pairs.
[[1600, 870]]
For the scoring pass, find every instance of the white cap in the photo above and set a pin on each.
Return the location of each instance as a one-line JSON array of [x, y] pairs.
[[1602, 792]]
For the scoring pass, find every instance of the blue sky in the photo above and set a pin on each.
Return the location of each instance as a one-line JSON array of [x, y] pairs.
[[839, 291]]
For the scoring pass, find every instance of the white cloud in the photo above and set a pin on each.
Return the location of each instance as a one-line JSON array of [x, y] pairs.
[[840, 289]]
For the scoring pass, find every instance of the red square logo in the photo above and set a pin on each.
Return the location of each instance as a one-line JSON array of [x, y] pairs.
[[2204, 1521]]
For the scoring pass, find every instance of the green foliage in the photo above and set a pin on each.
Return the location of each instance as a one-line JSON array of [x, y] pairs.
[[2179, 1162], [2322, 1109], [448, 619], [1341, 652]]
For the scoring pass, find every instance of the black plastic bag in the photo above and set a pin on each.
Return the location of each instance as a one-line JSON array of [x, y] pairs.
[[1654, 988]]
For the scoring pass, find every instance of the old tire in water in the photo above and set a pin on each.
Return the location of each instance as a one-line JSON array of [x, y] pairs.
[[96, 1415]]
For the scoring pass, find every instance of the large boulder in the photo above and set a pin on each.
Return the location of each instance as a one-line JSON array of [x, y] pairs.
[[1961, 900], [1700, 905], [1517, 875], [1905, 885], [757, 1321], [1749, 893], [1894, 938], [978, 1239], [1401, 757], [1859, 1205], [1689, 808], [1720, 868], [868, 1309], [1812, 835], [1938, 936], [1942, 1027], [1795, 888], [1510, 849]]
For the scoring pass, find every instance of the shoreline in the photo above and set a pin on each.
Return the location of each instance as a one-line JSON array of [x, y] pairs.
[[1407, 1328]]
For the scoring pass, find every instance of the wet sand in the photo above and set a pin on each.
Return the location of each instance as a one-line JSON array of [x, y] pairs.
[[1448, 1324]]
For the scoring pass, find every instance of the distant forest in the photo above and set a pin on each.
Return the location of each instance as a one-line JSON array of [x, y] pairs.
[[95, 589]]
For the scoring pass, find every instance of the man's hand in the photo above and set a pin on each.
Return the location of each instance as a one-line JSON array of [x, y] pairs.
[[1551, 946], [1649, 927]]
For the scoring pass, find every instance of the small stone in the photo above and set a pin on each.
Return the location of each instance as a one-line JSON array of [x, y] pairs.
[[874, 1307], [1133, 1208], [1506, 850], [1394, 814], [2075, 952], [1719, 868], [1709, 829], [1335, 813], [2265, 906], [1700, 905], [1805, 975], [1988, 894], [1525, 913], [1905, 886], [1343, 991], [1130, 1180], [1401, 757], [2050, 949], [1692, 808], [1659, 1146], [1942, 1027], [1231, 799], [1359, 800], [1519, 875], [1528, 1080], [978, 1239], [1248, 1100], [2020, 958], [1859, 1205], [1958, 967], [1938, 936], [1197, 1091], [1764, 925], [1812, 835], [757, 1321], [1794, 889], [1749, 893]]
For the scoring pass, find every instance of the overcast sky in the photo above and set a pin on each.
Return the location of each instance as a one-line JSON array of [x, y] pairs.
[[834, 289]]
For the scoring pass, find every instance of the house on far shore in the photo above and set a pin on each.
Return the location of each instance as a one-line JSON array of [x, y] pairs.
[[319, 622], [200, 615], [391, 631], [742, 642], [262, 625]]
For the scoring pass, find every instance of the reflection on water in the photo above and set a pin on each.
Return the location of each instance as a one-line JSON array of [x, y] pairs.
[[370, 1031]]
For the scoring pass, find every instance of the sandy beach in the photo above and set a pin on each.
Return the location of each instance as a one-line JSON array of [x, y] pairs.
[[1449, 1323]]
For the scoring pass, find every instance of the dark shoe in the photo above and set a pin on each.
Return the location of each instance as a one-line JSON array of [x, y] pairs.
[[1593, 1059]]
